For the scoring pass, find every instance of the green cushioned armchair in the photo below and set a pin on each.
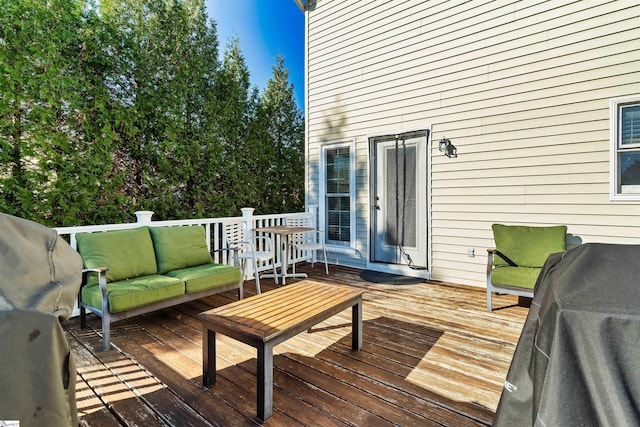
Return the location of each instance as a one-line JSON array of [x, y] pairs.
[[514, 264]]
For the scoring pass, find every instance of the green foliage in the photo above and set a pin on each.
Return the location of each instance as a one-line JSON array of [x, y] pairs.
[[123, 105], [280, 117]]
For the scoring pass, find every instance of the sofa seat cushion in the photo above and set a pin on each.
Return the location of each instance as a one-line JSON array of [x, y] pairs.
[[179, 247], [126, 253], [207, 276], [519, 277], [133, 293]]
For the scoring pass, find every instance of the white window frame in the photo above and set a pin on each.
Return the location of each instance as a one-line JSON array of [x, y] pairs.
[[322, 214], [614, 128]]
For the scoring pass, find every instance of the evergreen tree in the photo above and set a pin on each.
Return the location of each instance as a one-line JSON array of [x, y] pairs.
[[88, 188], [44, 117], [237, 107], [122, 105], [284, 159], [167, 70]]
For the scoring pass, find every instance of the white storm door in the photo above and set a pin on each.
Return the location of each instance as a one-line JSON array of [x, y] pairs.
[[399, 199]]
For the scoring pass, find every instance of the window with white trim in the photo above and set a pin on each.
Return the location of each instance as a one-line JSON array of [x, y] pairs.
[[625, 148], [337, 193]]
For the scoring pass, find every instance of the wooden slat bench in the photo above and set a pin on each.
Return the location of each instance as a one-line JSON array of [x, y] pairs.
[[268, 319]]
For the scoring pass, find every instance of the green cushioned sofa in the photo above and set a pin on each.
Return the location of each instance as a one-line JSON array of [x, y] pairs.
[[514, 264], [143, 269]]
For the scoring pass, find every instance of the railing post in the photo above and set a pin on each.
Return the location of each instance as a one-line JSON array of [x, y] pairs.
[[247, 218], [144, 217]]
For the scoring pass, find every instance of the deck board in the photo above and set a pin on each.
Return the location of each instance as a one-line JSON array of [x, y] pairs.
[[432, 355]]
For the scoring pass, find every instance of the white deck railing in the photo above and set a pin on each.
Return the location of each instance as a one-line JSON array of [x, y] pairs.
[[213, 231]]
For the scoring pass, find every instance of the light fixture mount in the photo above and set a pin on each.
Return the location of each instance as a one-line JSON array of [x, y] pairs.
[[447, 148]]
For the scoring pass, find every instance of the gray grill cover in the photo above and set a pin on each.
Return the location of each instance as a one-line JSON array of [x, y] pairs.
[[40, 277], [577, 362]]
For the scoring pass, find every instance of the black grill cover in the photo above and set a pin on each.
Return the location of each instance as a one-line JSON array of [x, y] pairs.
[[577, 362], [39, 280]]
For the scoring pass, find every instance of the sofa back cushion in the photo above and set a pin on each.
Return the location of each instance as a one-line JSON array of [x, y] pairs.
[[180, 247], [126, 253], [528, 246]]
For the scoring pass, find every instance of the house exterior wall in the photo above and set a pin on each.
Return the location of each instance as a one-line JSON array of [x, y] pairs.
[[521, 88]]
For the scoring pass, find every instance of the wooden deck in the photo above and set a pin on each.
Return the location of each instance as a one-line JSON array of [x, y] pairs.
[[432, 355]]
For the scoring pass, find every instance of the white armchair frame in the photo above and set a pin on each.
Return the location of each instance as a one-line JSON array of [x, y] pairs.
[[308, 241], [258, 249]]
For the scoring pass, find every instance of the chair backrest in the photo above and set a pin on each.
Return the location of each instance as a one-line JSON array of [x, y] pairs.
[[234, 233], [528, 246], [303, 220]]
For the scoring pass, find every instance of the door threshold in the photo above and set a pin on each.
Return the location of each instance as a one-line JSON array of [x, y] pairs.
[[402, 269]]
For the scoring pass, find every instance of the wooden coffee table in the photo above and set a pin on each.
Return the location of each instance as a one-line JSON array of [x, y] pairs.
[[266, 320]]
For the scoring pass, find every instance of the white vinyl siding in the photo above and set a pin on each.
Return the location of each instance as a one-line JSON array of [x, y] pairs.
[[522, 89]]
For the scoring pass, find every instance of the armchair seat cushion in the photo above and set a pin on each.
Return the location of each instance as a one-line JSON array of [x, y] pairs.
[[207, 276], [136, 292], [519, 277]]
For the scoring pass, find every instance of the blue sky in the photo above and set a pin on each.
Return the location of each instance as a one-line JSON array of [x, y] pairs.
[[265, 29]]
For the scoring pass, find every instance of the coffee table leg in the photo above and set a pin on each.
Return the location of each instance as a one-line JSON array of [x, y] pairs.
[[356, 328], [208, 357], [265, 382]]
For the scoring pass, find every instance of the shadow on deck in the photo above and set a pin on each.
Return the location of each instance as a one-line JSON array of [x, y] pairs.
[[432, 355]]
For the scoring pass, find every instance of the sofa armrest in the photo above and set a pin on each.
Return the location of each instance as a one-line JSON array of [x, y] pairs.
[[102, 281], [87, 271], [95, 270]]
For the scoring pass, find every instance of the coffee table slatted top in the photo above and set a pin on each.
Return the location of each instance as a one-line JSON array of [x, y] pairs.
[[285, 310]]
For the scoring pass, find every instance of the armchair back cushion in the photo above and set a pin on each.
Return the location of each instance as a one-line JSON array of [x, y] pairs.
[[179, 247], [528, 246], [127, 253]]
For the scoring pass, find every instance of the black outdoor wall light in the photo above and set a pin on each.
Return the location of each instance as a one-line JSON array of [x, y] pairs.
[[448, 148]]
